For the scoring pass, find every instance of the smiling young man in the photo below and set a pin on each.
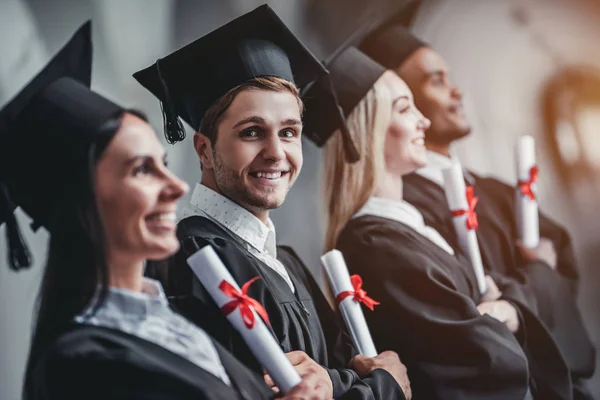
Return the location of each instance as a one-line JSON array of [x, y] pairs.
[[251, 149], [237, 87], [547, 272]]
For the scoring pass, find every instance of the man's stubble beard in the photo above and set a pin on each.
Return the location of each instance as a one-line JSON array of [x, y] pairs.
[[231, 186], [446, 137]]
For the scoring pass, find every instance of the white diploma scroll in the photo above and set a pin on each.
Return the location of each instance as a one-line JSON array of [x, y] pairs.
[[351, 311], [526, 210], [456, 195], [209, 269]]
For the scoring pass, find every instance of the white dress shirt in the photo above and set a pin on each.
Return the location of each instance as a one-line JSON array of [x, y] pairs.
[[405, 213], [258, 238], [147, 315], [438, 162]]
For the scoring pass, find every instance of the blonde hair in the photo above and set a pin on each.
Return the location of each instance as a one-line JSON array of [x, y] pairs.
[[347, 187]]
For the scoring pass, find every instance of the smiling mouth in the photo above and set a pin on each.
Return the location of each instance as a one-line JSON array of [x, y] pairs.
[[268, 179], [419, 141], [162, 220], [269, 175]]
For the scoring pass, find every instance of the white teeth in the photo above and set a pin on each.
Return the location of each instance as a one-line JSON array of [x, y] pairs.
[[269, 175], [419, 141], [165, 217]]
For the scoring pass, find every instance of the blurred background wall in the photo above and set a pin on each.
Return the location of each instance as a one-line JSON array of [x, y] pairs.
[[505, 55]]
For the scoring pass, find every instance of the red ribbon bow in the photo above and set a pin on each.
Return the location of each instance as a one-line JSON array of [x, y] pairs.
[[472, 221], [244, 302], [525, 186], [359, 294]]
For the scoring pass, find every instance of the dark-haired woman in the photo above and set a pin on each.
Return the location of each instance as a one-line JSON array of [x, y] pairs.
[[96, 178]]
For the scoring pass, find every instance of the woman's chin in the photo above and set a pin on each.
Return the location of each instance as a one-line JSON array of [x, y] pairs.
[[417, 163], [166, 248], [420, 160]]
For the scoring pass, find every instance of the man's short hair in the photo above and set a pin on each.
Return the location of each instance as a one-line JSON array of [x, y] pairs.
[[212, 118]]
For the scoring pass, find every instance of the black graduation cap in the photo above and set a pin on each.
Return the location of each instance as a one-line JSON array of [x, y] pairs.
[[46, 132], [390, 45], [188, 81], [330, 100]]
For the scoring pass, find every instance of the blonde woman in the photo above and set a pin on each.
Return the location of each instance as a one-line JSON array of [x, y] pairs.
[[456, 344]]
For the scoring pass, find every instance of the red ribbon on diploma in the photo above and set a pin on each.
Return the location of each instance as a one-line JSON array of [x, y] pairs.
[[525, 186], [244, 302], [359, 294], [472, 221]]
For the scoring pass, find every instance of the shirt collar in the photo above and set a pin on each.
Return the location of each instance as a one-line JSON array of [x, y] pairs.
[[436, 163], [120, 301], [235, 218], [400, 211], [405, 213]]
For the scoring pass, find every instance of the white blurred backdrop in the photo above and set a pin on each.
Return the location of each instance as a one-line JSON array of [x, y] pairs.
[[501, 64]]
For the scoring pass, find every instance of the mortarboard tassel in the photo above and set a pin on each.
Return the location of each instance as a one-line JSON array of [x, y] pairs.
[[18, 253], [19, 256], [352, 155], [174, 130]]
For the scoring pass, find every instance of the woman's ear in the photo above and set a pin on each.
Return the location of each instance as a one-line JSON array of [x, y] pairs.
[[203, 147]]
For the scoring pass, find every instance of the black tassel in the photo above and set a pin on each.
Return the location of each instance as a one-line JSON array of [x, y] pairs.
[[18, 253], [350, 150], [173, 127], [352, 155], [19, 256]]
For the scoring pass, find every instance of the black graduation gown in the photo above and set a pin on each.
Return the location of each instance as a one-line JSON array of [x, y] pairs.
[[299, 321], [97, 363], [554, 293], [428, 315]]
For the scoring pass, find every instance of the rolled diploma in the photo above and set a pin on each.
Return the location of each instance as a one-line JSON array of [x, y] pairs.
[[456, 195], [526, 214], [209, 269], [339, 278]]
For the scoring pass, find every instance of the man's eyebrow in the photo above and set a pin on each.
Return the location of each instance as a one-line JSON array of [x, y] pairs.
[[435, 73], [255, 119], [291, 121]]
